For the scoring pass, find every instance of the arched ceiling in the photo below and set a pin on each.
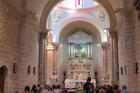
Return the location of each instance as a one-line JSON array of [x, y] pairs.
[[43, 7], [79, 26], [51, 4]]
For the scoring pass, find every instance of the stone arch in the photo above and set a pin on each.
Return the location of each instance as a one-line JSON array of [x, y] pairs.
[[74, 26], [89, 20], [51, 3], [3, 74]]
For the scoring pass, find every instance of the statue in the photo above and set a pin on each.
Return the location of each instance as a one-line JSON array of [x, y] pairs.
[[80, 77]]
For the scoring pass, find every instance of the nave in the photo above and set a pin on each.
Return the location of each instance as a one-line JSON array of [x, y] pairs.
[[63, 42]]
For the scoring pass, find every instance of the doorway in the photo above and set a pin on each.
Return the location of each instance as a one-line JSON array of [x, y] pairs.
[[3, 73]]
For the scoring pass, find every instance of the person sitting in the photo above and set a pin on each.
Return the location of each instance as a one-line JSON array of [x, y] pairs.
[[34, 89], [26, 89], [124, 89], [45, 89]]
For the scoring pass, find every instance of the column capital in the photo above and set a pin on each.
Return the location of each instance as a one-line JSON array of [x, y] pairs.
[[43, 34], [104, 45], [113, 34], [123, 12], [136, 4]]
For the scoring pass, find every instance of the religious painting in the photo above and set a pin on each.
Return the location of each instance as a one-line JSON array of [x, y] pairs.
[[125, 70], [57, 16], [101, 15], [80, 50], [136, 68], [29, 70], [14, 67], [121, 70], [34, 70]]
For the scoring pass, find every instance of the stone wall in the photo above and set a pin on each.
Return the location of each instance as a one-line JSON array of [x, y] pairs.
[[9, 43], [137, 50], [29, 52], [129, 46], [18, 44]]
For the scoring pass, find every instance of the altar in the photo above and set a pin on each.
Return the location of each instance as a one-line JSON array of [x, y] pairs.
[[78, 71], [80, 63], [78, 84]]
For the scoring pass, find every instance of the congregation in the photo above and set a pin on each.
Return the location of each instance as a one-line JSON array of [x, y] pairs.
[[86, 89]]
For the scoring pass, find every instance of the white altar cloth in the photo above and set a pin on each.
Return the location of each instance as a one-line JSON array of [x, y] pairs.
[[71, 83]]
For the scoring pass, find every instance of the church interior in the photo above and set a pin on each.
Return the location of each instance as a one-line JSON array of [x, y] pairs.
[[64, 42]]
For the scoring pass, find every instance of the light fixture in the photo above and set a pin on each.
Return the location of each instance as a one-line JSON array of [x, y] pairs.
[[98, 45], [106, 30]]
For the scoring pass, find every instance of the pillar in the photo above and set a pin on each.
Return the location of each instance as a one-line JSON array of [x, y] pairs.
[[71, 51], [105, 60], [49, 64], [41, 65], [114, 57], [51, 61]]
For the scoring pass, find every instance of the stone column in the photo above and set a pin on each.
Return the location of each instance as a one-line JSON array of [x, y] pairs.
[[49, 64], [41, 65], [114, 57], [91, 51], [88, 50], [51, 61], [105, 60]]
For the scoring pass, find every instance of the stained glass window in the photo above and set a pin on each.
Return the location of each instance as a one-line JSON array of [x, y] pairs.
[[78, 3], [80, 50]]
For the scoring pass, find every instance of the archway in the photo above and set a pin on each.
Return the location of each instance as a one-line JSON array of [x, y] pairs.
[[3, 73], [51, 4], [72, 27], [78, 29]]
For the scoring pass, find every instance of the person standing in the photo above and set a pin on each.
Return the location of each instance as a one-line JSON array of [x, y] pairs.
[[116, 89], [88, 86], [54, 79], [39, 89]]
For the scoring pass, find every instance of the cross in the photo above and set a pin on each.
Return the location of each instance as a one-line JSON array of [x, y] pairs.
[[79, 2]]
